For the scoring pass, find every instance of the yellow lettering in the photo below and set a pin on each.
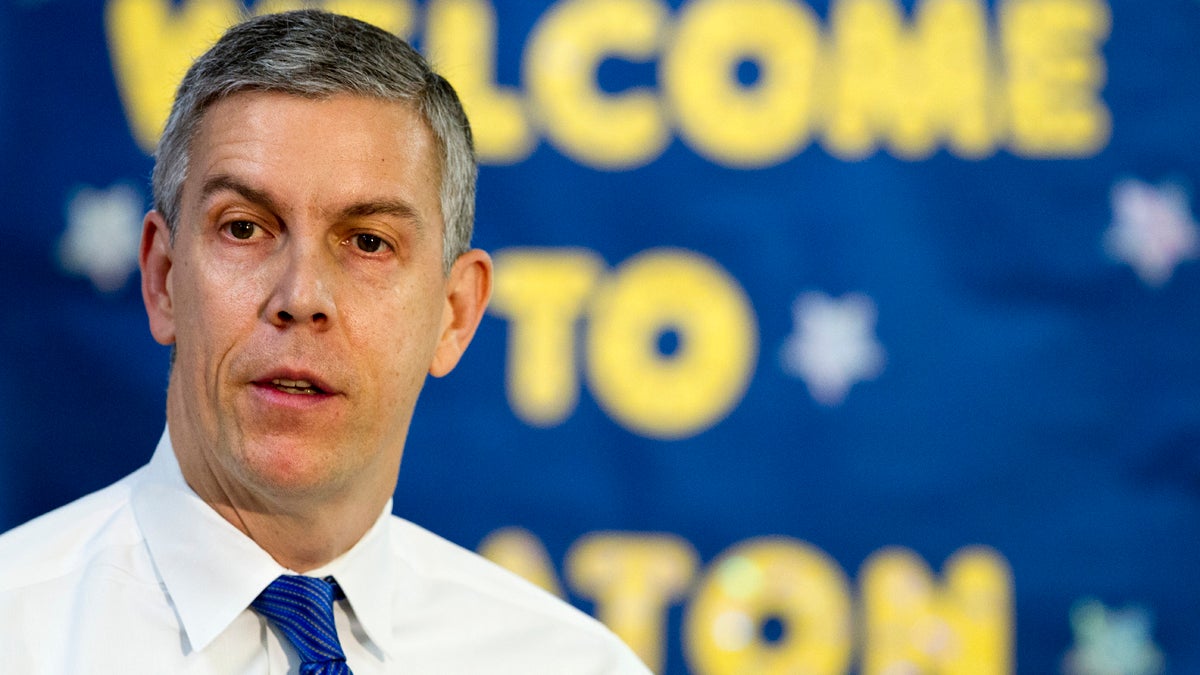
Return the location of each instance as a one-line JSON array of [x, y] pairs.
[[745, 83], [272, 6], [394, 16], [865, 74], [542, 294], [764, 586], [520, 551], [152, 43], [460, 40], [1055, 73], [950, 99], [656, 295], [752, 125], [560, 62], [912, 625], [914, 88], [633, 579]]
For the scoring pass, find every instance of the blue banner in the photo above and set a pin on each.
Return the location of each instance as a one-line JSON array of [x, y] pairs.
[[828, 336]]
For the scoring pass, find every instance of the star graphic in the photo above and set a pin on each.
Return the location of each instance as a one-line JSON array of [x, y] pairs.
[[1152, 229], [101, 239], [833, 344], [1111, 642]]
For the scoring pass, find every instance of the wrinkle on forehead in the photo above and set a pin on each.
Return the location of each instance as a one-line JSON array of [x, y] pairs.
[[406, 185]]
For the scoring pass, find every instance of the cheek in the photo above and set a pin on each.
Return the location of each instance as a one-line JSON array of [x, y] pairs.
[[400, 337], [213, 309]]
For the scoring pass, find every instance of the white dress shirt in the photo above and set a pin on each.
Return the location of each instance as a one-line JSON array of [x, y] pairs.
[[144, 577]]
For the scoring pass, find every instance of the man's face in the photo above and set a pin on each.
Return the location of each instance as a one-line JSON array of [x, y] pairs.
[[304, 292]]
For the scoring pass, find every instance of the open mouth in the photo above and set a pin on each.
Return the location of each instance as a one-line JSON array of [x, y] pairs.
[[303, 387]]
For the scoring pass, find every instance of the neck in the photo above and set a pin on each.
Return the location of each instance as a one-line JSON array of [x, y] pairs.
[[300, 539], [302, 528]]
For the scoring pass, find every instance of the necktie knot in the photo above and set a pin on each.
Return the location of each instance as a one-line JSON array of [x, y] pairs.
[[302, 609]]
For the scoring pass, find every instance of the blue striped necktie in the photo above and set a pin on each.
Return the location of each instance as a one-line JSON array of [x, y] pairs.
[[302, 608]]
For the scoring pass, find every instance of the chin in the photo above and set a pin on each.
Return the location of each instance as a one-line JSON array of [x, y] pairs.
[[286, 466]]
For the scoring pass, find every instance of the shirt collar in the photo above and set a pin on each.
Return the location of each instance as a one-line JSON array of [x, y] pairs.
[[367, 575], [212, 571]]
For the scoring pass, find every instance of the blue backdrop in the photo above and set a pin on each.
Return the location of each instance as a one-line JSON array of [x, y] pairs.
[[848, 335]]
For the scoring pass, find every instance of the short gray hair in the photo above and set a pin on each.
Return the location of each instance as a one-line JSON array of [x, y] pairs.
[[316, 54]]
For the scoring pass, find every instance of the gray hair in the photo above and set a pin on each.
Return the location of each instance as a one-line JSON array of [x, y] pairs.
[[316, 54]]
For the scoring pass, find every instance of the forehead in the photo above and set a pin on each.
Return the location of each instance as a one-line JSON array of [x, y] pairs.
[[317, 146]]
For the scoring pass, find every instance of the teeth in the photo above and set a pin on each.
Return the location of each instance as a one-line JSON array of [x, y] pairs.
[[295, 384]]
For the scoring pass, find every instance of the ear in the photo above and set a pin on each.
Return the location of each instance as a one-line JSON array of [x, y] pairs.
[[155, 260], [467, 291]]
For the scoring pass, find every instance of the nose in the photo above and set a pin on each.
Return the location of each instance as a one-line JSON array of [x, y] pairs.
[[302, 293]]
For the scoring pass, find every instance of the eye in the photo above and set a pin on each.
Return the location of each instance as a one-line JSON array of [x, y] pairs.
[[241, 229], [369, 243]]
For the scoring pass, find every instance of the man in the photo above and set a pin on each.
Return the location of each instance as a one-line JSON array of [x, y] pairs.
[[308, 258]]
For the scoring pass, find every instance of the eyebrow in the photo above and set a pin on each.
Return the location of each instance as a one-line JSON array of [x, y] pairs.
[[387, 207], [383, 207], [226, 183]]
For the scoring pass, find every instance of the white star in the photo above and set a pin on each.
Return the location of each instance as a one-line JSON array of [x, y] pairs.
[[833, 344], [1111, 642], [101, 240], [1152, 229]]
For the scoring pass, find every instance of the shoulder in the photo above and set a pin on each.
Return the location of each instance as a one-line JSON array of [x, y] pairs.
[[517, 624], [80, 575], [62, 542], [437, 559]]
